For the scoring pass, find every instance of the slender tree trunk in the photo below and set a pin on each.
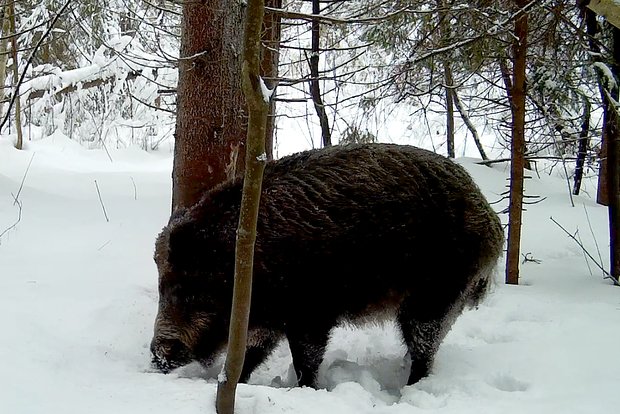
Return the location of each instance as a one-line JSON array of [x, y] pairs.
[[19, 143], [315, 89], [445, 35], [582, 149], [211, 117], [469, 124], [258, 105], [4, 52], [269, 65], [449, 109], [517, 165]]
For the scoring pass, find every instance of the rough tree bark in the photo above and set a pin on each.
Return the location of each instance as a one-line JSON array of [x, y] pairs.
[[258, 105], [612, 135], [613, 189], [211, 115], [517, 103]]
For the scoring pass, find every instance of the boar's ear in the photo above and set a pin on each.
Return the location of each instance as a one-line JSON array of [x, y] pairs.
[[177, 216], [181, 245]]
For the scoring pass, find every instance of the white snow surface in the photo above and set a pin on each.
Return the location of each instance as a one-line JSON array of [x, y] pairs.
[[78, 297]]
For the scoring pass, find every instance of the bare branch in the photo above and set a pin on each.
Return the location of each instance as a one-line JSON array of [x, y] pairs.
[[600, 266]]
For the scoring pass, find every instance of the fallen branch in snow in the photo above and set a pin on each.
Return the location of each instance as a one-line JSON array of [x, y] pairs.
[[19, 217], [600, 266], [21, 185], [101, 201], [16, 199], [528, 257], [598, 250]]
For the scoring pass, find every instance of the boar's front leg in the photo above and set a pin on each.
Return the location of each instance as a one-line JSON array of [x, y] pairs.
[[307, 346], [424, 322], [260, 344]]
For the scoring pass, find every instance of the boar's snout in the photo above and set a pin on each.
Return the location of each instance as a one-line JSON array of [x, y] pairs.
[[169, 354]]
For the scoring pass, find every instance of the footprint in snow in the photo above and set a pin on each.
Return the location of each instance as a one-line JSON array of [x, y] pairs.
[[508, 383]]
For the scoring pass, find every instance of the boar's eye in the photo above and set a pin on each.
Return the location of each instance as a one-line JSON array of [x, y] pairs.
[[178, 294], [171, 293], [189, 299]]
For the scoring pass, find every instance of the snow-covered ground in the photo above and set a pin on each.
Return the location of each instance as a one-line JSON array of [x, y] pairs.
[[78, 298]]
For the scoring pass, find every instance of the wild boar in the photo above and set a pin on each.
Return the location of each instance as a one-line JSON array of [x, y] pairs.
[[345, 234]]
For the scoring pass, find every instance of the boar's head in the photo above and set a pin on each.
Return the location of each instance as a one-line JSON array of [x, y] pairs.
[[195, 265]]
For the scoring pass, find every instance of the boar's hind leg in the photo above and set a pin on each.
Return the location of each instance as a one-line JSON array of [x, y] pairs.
[[424, 324], [307, 349], [260, 345]]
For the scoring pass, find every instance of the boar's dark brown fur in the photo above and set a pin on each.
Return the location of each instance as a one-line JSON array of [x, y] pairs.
[[349, 233]]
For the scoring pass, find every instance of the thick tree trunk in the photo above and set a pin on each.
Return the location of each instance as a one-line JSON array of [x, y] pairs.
[[612, 134], [517, 101], [258, 105], [602, 196], [609, 173], [613, 191], [211, 117]]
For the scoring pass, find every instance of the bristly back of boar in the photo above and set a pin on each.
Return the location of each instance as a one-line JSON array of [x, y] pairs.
[[344, 234]]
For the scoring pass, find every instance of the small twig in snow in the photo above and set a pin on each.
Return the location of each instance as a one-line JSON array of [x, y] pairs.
[[101, 201], [135, 189], [19, 217], [584, 255], [527, 257], [104, 245], [21, 185], [598, 250], [600, 266]]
